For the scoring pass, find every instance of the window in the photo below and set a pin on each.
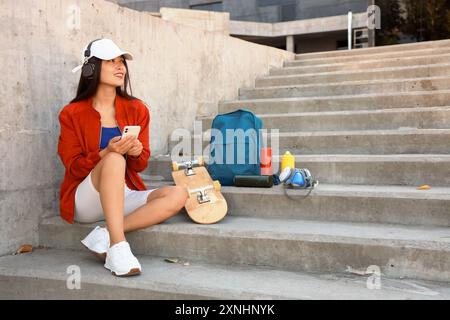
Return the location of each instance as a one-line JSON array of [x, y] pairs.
[[342, 45], [213, 6], [288, 12], [266, 3]]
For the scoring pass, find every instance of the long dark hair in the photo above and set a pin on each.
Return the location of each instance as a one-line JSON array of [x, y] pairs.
[[88, 87]]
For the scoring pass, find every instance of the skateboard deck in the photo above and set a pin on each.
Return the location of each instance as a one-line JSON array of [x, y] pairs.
[[205, 204]]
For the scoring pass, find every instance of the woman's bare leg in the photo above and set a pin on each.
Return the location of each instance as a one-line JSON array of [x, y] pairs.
[[108, 178], [161, 204]]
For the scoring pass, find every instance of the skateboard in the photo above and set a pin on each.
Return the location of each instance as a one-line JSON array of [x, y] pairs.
[[206, 203]]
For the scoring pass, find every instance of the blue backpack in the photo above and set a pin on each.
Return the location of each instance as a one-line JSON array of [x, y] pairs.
[[243, 144]]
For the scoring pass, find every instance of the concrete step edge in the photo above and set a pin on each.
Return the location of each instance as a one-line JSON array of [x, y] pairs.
[[206, 136], [389, 48], [379, 54], [338, 97], [426, 238], [339, 158], [347, 83], [339, 190], [337, 73], [362, 65], [297, 63], [402, 132], [342, 113], [198, 281]]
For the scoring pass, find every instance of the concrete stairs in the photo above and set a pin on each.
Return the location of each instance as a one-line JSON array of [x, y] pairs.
[[42, 275], [371, 125]]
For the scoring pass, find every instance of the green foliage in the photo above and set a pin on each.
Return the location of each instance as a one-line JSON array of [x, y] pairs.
[[422, 20]]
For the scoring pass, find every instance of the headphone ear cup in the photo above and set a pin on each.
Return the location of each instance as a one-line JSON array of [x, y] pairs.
[[88, 70]]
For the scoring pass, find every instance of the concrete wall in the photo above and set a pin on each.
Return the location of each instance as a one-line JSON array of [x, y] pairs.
[[205, 20], [299, 27], [180, 72]]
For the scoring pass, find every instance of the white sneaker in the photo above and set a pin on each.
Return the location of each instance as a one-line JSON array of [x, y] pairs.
[[121, 261], [97, 242]]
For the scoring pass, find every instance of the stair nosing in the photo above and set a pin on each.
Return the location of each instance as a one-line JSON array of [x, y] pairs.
[[394, 46], [390, 132], [272, 284], [338, 64], [343, 190], [413, 157], [340, 72], [373, 54], [335, 97], [347, 83], [421, 237], [343, 112]]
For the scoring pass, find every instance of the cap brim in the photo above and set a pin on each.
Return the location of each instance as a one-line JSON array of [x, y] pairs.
[[127, 56]]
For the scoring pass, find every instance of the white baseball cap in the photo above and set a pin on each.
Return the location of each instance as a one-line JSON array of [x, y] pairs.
[[104, 49]]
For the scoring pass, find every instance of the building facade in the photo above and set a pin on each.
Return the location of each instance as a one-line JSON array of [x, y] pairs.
[[269, 11], [320, 25]]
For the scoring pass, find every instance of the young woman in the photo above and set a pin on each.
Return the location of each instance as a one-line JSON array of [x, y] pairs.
[[101, 180]]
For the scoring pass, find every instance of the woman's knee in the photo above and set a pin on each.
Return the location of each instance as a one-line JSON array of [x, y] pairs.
[[113, 160], [174, 197], [113, 156]]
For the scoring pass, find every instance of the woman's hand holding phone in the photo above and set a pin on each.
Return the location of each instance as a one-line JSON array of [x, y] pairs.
[[122, 146], [136, 149]]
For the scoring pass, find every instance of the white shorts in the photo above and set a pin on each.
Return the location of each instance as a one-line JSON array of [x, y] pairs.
[[88, 208]]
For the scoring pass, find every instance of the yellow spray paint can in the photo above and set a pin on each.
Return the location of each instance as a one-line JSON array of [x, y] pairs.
[[287, 160]]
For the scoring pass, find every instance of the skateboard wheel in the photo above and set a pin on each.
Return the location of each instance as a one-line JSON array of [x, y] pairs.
[[201, 161], [174, 166], [217, 185]]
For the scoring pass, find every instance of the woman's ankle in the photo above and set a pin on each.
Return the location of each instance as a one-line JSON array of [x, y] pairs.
[[116, 241]]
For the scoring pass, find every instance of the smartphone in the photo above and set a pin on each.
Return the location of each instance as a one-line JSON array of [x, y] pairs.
[[131, 131]]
